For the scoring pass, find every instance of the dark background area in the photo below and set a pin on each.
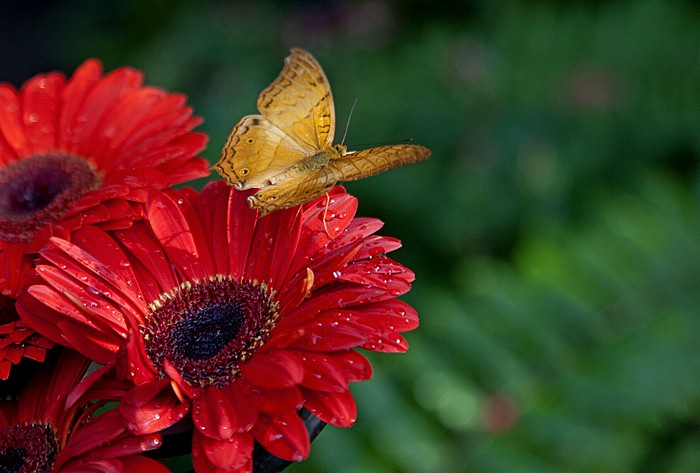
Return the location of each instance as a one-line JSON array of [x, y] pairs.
[[555, 232]]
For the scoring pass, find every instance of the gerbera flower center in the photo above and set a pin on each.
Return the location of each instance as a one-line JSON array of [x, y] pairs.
[[205, 329], [38, 190], [25, 448]]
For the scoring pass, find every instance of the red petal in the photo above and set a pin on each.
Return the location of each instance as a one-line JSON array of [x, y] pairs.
[[106, 437], [389, 343], [313, 236], [284, 436], [62, 323], [376, 319], [5, 369], [90, 120], [379, 271], [151, 407], [109, 273], [157, 274], [354, 364], [328, 268], [131, 464], [209, 207], [241, 228], [359, 228], [337, 409], [83, 303], [209, 455], [273, 370], [7, 154], [42, 400], [72, 98], [11, 121], [40, 114], [273, 247], [214, 415], [35, 313], [325, 337], [322, 373], [275, 401], [180, 235]]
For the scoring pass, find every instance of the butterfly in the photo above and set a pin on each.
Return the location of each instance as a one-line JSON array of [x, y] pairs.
[[287, 151]]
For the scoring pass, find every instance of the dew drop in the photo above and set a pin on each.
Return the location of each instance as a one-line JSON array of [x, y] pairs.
[[33, 117]]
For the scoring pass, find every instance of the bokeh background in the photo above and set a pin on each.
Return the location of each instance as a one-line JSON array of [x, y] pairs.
[[555, 232]]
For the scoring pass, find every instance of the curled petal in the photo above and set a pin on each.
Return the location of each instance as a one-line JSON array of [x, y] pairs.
[[284, 436], [335, 408], [151, 407], [213, 455], [273, 370]]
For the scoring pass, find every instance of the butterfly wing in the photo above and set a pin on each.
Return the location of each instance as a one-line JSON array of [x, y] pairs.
[[368, 162], [299, 102], [293, 191], [256, 151]]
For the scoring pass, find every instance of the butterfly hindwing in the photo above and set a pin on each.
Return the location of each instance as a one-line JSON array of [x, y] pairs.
[[293, 191], [299, 102]]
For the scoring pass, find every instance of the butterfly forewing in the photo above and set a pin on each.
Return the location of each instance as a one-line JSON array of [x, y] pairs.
[[368, 162], [299, 102], [256, 151]]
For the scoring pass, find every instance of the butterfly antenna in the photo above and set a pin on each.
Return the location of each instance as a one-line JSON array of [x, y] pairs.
[[347, 125]]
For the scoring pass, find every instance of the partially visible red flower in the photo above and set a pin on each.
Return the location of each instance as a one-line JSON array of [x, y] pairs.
[[82, 151], [52, 427], [17, 340], [242, 321]]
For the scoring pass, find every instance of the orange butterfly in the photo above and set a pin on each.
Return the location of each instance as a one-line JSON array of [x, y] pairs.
[[288, 153]]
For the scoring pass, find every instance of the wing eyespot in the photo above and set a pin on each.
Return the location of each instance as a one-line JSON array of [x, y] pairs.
[[244, 171]]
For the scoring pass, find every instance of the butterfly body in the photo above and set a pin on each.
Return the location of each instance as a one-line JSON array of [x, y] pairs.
[[287, 151]]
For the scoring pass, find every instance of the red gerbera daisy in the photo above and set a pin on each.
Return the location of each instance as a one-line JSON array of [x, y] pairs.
[[51, 427], [81, 151], [242, 320]]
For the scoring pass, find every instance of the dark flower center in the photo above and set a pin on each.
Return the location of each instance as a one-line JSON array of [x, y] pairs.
[[27, 448], [207, 328], [38, 190]]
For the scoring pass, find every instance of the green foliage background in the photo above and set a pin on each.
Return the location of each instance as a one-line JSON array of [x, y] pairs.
[[555, 232]]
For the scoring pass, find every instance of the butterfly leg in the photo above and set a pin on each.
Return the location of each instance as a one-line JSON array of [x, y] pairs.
[[325, 214], [296, 216]]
